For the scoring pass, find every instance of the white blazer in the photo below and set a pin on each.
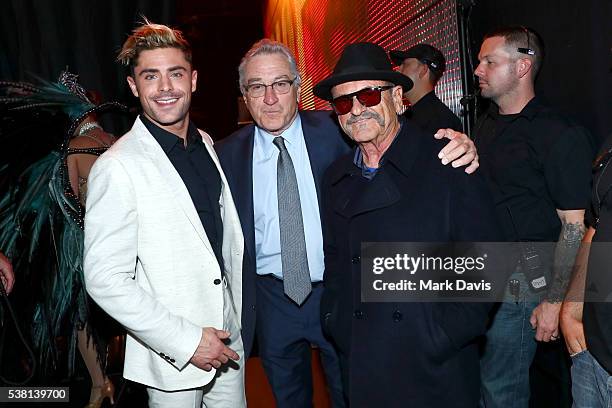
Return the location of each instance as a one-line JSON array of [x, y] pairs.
[[149, 264]]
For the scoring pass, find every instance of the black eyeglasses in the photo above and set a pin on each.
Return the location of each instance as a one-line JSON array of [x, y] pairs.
[[528, 50], [280, 87], [367, 97]]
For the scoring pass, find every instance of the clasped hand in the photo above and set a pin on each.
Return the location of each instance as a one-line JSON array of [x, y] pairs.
[[212, 350]]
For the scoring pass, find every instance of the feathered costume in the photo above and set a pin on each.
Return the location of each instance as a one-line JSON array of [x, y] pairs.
[[40, 205]]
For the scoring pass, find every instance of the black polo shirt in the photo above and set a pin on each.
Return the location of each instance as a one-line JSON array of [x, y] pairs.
[[597, 315], [431, 114], [535, 162], [200, 175]]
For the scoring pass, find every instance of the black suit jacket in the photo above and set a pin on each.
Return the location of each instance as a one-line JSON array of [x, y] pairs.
[[324, 142], [403, 354]]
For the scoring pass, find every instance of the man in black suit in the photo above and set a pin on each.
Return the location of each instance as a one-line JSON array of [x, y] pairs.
[[392, 189], [425, 65], [254, 158]]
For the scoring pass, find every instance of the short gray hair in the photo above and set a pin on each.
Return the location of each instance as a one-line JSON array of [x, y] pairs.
[[267, 47]]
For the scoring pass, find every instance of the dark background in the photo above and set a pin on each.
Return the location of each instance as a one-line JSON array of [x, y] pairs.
[[576, 76], [43, 37]]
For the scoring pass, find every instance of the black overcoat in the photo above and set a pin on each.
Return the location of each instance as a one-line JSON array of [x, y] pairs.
[[403, 354]]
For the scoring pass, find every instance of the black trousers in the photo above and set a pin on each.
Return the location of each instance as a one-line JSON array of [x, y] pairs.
[[285, 334]]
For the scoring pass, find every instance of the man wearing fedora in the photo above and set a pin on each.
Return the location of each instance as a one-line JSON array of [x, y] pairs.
[[393, 189], [425, 65], [275, 170]]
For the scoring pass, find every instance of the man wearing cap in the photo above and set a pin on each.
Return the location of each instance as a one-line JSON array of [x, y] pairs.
[[393, 189], [275, 170], [424, 65]]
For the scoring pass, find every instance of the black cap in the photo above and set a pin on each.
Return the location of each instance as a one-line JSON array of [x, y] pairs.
[[428, 55], [361, 61]]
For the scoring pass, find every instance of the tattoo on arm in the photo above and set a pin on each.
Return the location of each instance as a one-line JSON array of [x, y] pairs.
[[565, 256]]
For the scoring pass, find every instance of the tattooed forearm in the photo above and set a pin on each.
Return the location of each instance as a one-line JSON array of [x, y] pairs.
[[565, 256]]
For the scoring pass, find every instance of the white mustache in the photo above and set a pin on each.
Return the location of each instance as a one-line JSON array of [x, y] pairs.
[[366, 115]]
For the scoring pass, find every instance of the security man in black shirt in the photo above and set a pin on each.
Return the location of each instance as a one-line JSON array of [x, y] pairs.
[[425, 65], [537, 164]]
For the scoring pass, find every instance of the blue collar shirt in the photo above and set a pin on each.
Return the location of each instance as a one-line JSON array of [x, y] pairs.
[[265, 201]]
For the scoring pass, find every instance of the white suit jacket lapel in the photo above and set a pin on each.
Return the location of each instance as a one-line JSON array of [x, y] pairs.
[[208, 142], [233, 241], [232, 231], [173, 180]]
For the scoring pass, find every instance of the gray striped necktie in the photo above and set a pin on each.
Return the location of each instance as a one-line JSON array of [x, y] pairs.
[[296, 275]]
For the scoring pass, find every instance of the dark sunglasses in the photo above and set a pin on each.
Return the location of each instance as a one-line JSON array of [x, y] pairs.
[[366, 96]]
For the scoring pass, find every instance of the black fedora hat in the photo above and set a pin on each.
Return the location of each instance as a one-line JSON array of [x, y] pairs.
[[361, 61]]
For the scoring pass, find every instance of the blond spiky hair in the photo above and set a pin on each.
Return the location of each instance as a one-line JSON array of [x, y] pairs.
[[149, 36]]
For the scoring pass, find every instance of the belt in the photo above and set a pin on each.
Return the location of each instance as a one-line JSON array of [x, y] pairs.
[[276, 278]]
